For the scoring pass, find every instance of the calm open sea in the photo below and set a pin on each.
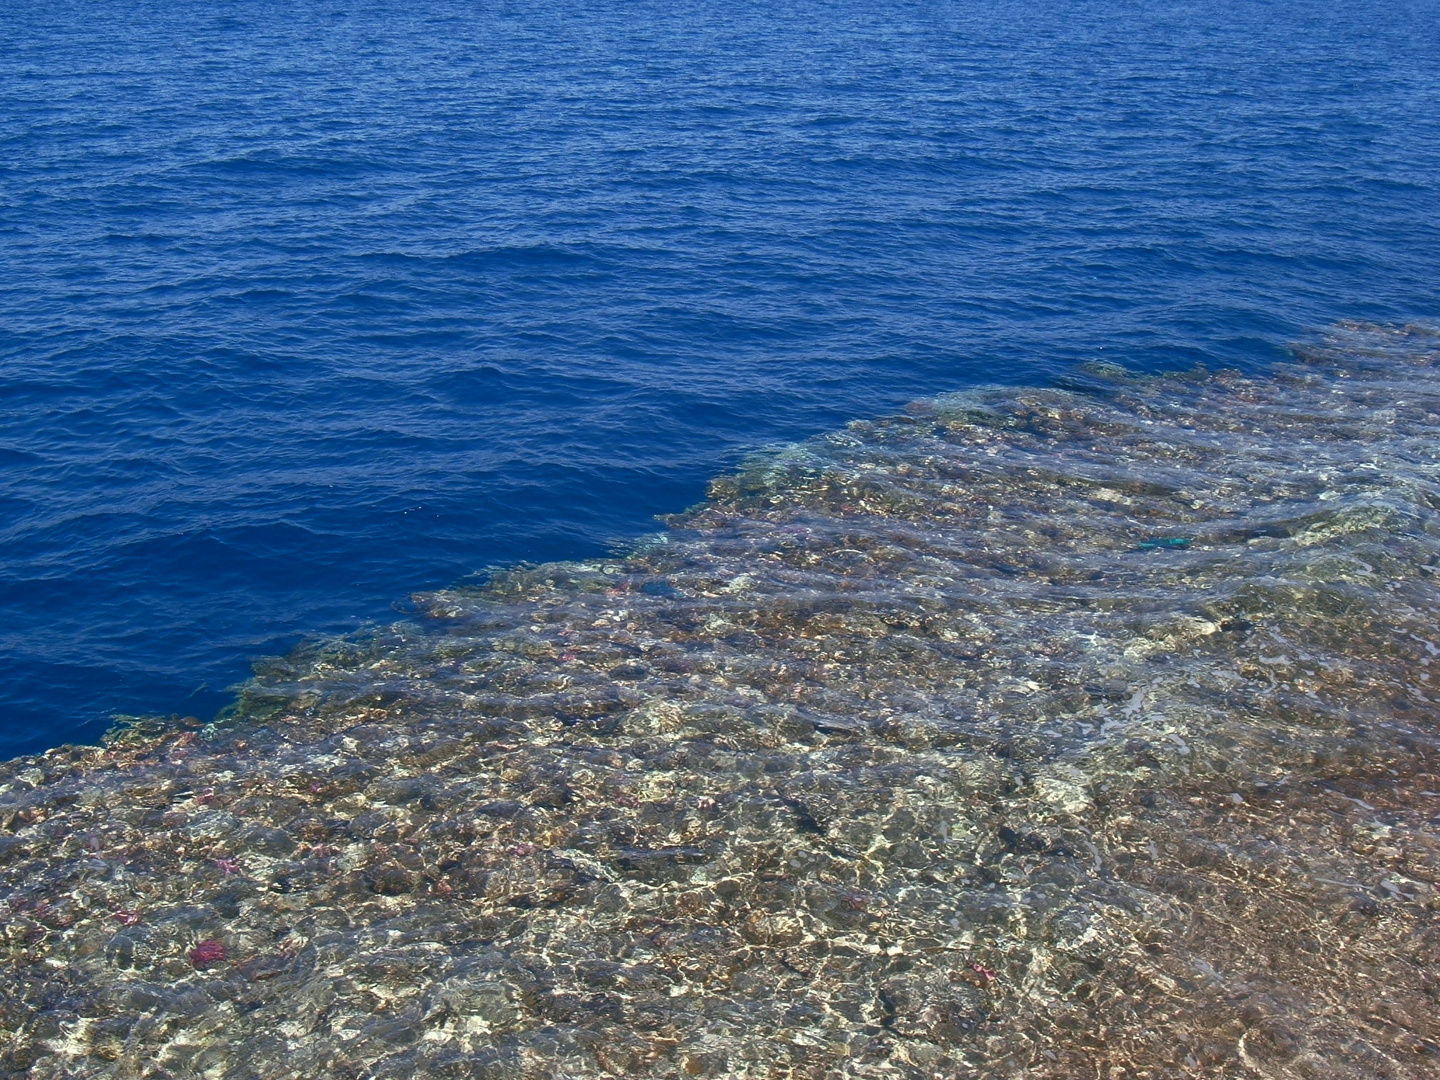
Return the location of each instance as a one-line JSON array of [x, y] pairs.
[[304, 307]]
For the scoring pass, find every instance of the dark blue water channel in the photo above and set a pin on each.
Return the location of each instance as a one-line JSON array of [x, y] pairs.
[[307, 306]]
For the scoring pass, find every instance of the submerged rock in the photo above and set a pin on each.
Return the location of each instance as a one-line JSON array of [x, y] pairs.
[[891, 759]]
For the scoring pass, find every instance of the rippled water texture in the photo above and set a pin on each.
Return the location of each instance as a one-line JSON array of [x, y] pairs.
[[306, 306], [1030, 733]]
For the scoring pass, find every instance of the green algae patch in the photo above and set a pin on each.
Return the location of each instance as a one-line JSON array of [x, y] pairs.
[[1063, 732]]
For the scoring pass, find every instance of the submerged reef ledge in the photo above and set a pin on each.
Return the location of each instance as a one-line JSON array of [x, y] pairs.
[[1086, 731]]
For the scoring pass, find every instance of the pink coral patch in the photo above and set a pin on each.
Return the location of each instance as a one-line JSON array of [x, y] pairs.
[[207, 953]]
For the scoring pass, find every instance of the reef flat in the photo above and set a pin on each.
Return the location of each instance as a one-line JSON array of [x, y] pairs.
[[1086, 731]]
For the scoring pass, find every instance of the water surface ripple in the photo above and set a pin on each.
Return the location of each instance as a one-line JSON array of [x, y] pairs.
[[306, 306], [1030, 733]]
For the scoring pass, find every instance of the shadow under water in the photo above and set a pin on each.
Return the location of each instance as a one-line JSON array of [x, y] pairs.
[[1073, 732]]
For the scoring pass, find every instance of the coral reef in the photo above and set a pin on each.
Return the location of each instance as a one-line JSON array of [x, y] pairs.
[[1085, 731]]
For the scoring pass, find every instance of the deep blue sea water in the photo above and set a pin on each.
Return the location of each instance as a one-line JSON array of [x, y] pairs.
[[304, 307]]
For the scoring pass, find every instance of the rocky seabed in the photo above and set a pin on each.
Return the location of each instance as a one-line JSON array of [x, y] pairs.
[[1087, 731]]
